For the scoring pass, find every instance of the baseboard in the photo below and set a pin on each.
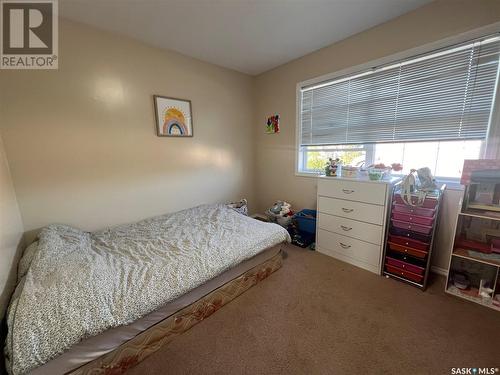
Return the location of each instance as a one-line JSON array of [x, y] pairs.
[[439, 270]]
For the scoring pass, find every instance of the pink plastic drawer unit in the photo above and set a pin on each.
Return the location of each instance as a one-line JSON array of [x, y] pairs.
[[419, 211], [412, 226], [406, 266], [428, 202], [413, 218]]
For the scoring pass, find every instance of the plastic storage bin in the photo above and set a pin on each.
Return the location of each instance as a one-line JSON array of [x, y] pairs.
[[419, 211], [428, 202], [404, 273], [409, 241], [306, 220], [405, 265], [407, 250], [405, 241], [413, 218], [419, 262], [412, 235], [424, 229]]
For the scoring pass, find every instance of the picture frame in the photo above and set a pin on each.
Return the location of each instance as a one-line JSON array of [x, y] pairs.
[[173, 116], [273, 124]]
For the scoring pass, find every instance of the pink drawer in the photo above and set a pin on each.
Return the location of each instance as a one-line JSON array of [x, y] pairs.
[[419, 211], [405, 241], [407, 250], [404, 265], [428, 202], [413, 218], [412, 226], [404, 273]]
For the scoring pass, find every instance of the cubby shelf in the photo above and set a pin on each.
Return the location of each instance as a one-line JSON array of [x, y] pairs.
[[490, 268], [479, 215], [482, 301], [463, 253]]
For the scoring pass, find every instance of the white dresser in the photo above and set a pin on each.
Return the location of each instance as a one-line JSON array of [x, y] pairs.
[[352, 219]]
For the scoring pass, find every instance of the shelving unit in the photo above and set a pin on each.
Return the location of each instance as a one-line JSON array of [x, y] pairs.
[[465, 260], [410, 238]]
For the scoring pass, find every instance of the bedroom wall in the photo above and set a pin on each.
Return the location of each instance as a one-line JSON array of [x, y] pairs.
[[11, 231], [81, 140], [275, 93]]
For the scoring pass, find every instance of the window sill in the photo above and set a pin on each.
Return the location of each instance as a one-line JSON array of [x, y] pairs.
[[307, 174], [450, 184]]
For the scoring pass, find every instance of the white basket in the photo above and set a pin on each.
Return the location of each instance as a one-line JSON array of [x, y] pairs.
[[284, 221]]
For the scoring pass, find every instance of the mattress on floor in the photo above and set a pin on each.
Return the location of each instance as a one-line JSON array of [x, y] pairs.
[[83, 284], [94, 347]]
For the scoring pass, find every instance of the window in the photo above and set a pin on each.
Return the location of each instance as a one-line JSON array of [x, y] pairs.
[[314, 158], [431, 110], [445, 159]]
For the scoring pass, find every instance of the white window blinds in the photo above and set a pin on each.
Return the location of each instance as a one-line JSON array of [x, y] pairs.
[[444, 95]]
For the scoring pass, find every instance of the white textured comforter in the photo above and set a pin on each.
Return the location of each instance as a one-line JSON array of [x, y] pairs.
[[79, 284]]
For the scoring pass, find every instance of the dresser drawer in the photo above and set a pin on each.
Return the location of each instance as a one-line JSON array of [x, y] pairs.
[[369, 213], [407, 250], [367, 192], [335, 244], [351, 228], [404, 273]]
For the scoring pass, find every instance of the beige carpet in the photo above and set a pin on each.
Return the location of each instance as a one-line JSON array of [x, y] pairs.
[[318, 315]]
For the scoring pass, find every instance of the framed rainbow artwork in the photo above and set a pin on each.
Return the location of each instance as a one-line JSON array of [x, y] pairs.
[[173, 117]]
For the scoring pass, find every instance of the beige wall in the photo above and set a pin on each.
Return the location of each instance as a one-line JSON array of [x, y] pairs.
[[11, 230], [275, 93], [81, 140], [83, 151]]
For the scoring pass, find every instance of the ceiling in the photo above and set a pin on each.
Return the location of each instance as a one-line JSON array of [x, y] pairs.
[[250, 36]]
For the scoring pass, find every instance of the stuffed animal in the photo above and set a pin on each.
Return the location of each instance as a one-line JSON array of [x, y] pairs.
[[281, 208], [240, 206]]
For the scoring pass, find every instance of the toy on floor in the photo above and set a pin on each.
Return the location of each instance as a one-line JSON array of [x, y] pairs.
[[281, 208], [484, 290], [460, 280], [281, 213], [300, 238]]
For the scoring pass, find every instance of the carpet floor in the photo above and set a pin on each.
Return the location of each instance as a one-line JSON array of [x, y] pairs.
[[317, 315]]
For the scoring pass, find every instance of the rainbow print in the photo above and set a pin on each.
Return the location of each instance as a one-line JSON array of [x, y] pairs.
[[174, 122], [173, 117]]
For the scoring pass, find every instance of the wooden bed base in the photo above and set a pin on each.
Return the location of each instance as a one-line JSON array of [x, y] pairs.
[[146, 343]]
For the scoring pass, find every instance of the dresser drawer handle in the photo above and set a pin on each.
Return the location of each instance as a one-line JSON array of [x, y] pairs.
[[345, 228], [347, 191], [344, 245], [348, 210]]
